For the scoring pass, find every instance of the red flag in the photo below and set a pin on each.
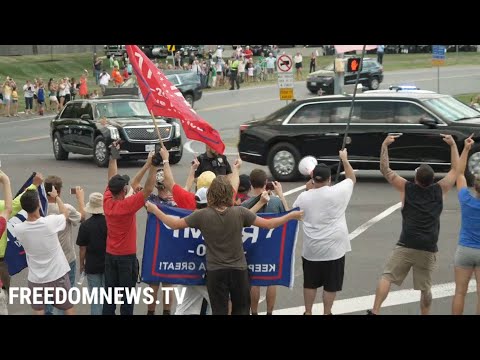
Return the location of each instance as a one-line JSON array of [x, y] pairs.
[[346, 48], [164, 99]]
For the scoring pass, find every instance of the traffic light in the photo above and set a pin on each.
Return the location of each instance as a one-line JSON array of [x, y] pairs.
[[353, 64]]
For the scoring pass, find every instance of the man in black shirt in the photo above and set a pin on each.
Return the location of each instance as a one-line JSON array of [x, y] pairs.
[[422, 204], [212, 161], [92, 239]]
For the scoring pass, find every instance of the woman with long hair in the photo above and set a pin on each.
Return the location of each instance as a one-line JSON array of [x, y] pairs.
[[467, 256]]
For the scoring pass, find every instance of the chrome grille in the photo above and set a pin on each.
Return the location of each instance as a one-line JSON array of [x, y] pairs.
[[148, 133]]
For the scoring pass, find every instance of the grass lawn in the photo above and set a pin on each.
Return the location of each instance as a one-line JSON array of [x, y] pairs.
[[466, 98], [21, 68]]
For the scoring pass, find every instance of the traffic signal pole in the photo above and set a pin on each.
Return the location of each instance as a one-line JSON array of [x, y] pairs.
[[345, 136]]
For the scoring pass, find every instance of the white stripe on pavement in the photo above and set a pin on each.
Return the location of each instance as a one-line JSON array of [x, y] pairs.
[[363, 303], [25, 120], [362, 228]]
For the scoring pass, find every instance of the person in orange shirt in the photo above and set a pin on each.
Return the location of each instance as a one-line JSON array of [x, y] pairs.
[[117, 77]]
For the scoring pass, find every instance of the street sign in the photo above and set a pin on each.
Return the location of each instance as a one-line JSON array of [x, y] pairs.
[[171, 48], [286, 94], [284, 63], [353, 64], [438, 55], [285, 80]]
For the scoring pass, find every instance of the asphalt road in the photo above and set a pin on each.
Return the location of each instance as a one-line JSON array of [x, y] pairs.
[[25, 147]]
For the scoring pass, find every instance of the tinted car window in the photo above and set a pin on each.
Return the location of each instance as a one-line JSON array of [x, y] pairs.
[[341, 111], [408, 113], [85, 108], [312, 114], [282, 113], [450, 108], [376, 111], [173, 79], [122, 109], [76, 111], [67, 112]]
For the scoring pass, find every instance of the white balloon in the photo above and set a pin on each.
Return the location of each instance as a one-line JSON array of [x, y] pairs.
[[306, 165]]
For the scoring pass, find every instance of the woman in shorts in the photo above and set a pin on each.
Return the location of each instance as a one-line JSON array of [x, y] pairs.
[[467, 256]]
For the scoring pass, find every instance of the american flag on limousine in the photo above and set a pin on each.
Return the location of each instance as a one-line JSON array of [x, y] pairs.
[[164, 99]]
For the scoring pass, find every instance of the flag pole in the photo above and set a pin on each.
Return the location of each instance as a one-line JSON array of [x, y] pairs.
[[156, 129], [351, 112]]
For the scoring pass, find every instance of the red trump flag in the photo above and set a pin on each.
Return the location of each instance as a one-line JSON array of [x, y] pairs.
[[164, 99]]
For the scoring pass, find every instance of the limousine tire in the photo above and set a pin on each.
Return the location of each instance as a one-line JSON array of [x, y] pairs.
[[374, 84], [283, 161], [473, 166], [100, 152], [58, 150]]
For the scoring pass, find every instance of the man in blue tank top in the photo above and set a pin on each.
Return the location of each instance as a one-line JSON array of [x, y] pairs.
[[422, 204]]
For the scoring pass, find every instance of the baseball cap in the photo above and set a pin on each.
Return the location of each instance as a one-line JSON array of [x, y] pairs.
[[117, 183], [205, 179], [321, 173], [201, 195], [245, 184]]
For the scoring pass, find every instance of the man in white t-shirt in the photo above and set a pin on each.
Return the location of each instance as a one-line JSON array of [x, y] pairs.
[[325, 239], [103, 81], [47, 265]]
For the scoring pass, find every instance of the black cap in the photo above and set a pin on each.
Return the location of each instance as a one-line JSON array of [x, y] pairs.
[[321, 173], [244, 183], [117, 183]]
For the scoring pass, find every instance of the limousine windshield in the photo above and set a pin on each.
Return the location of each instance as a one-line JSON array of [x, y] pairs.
[[122, 109], [451, 109]]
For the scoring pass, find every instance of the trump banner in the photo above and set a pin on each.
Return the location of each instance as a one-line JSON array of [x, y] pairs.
[[164, 99], [178, 256]]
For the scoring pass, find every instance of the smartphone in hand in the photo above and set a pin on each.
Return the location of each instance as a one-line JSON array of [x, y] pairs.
[[73, 191]]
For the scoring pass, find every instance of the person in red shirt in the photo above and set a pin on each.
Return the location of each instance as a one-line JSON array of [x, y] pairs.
[[125, 74], [248, 53], [186, 199], [6, 207], [121, 264]]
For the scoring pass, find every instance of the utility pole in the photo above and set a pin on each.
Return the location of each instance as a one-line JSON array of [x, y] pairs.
[[339, 73]]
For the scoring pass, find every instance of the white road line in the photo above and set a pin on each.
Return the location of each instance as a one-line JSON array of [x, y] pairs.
[[363, 303], [25, 154], [25, 120], [362, 228]]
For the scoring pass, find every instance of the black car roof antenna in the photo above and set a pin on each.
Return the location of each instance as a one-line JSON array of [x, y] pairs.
[[345, 136]]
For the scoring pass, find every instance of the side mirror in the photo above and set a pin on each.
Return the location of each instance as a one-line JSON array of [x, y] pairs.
[[86, 117], [427, 121]]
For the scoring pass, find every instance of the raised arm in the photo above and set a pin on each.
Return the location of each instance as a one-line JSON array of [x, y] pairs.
[[449, 180], [137, 180], [234, 177], [169, 182], [276, 222], [260, 203], [171, 221], [349, 173], [61, 206], [279, 191], [112, 164], [392, 177], [7, 190], [191, 174], [80, 195], [150, 183], [462, 164]]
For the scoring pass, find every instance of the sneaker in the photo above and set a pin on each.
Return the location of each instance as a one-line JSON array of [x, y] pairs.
[[369, 312], [166, 312]]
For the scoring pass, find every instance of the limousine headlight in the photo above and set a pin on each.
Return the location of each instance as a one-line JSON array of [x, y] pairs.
[[178, 129], [114, 134]]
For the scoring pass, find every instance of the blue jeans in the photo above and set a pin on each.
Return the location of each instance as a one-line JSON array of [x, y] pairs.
[[120, 271], [97, 76], [49, 309], [96, 281]]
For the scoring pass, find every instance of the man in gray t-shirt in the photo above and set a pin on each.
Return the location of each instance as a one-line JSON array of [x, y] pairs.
[[221, 225]]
